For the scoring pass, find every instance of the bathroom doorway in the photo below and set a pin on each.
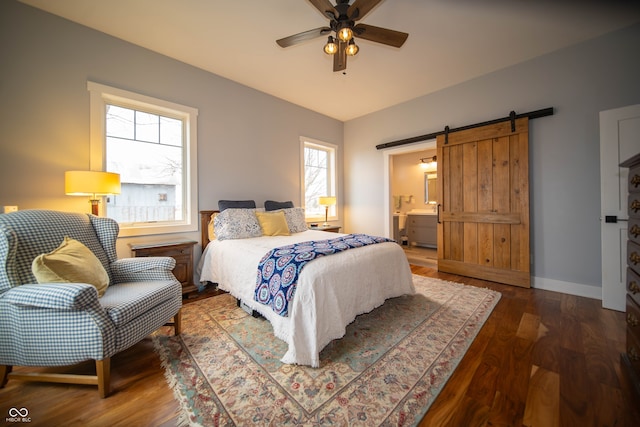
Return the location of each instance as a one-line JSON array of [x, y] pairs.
[[406, 196]]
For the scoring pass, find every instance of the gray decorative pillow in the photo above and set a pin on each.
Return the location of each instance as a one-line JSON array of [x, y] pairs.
[[245, 204], [235, 223], [271, 205], [295, 220]]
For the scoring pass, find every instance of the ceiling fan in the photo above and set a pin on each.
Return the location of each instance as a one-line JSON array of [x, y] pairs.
[[342, 22]]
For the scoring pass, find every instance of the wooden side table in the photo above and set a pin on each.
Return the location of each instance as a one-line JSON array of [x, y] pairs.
[[181, 251], [330, 228]]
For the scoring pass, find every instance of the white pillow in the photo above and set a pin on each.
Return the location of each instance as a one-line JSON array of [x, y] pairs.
[[235, 223]]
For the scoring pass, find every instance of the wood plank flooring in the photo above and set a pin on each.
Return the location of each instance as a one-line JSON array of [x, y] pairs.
[[421, 257], [542, 359]]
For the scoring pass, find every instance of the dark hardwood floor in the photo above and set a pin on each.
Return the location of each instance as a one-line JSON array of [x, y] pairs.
[[542, 359]]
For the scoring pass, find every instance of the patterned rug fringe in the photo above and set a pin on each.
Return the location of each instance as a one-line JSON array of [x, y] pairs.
[[179, 389]]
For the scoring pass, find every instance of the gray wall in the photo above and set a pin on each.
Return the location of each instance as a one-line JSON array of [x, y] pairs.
[[578, 82], [248, 142]]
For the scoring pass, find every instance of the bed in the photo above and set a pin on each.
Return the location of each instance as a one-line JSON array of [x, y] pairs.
[[331, 290]]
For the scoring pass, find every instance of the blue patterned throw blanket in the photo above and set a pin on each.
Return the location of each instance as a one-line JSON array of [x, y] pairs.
[[279, 269]]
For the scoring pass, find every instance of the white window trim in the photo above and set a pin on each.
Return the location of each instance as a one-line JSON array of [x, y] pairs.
[[333, 212], [99, 96]]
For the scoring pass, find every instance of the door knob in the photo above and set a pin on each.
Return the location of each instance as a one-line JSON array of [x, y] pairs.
[[613, 219]]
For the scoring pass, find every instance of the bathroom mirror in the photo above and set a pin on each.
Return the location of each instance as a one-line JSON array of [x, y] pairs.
[[430, 192]]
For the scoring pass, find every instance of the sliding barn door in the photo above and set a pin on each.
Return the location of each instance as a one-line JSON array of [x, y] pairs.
[[483, 203]]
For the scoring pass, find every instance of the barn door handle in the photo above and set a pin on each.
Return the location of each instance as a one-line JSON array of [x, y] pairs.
[[438, 213]]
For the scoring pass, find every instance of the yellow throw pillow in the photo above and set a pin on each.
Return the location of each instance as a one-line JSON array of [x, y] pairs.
[[71, 262], [273, 223], [210, 230]]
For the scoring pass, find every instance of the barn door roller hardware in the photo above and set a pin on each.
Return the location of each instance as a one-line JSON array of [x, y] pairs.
[[512, 117]]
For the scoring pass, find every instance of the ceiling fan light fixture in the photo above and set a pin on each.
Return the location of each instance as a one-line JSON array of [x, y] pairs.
[[345, 34], [352, 48], [342, 29], [331, 47]]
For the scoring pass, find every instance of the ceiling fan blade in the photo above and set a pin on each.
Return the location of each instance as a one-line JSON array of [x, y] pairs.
[[300, 37], [360, 8], [340, 57], [325, 7], [380, 35]]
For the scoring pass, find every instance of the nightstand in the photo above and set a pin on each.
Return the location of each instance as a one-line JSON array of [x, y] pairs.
[[330, 228], [181, 251]]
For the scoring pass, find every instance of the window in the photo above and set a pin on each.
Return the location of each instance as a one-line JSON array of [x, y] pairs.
[[318, 178], [151, 143]]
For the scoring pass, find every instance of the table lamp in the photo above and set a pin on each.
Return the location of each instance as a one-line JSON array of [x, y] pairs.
[[326, 201], [91, 183]]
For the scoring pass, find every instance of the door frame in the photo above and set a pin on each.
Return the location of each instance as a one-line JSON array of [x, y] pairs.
[[613, 235], [387, 197]]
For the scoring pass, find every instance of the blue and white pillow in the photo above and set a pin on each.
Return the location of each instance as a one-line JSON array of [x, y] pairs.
[[233, 223], [295, 219]]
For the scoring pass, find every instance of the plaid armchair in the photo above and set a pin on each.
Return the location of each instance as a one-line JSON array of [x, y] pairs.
[[60, 324]]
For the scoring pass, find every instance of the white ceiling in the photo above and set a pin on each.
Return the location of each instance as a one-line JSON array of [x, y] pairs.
[[450, 41]]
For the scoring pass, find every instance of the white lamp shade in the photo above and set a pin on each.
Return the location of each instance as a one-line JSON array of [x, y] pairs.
[[326, 201], [90, 183]]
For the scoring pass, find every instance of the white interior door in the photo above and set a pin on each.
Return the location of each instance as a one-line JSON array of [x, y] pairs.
[[619, 140]]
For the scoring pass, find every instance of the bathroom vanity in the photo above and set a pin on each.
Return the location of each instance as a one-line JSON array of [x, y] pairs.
[[422, 229]]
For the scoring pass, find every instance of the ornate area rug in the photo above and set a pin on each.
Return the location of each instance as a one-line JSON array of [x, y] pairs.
[[225, 368]]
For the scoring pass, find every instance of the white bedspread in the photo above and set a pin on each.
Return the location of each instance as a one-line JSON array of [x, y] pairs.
[[331, 291]]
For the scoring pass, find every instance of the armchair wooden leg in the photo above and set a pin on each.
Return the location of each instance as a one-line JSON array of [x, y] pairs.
[[4, 374], [177, 322], [102, 378], [103, 372]]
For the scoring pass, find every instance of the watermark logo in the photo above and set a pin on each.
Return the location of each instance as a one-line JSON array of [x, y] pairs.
[[18, 415]]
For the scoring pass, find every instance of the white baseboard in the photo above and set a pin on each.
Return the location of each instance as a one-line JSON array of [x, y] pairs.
[[578, 289]]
